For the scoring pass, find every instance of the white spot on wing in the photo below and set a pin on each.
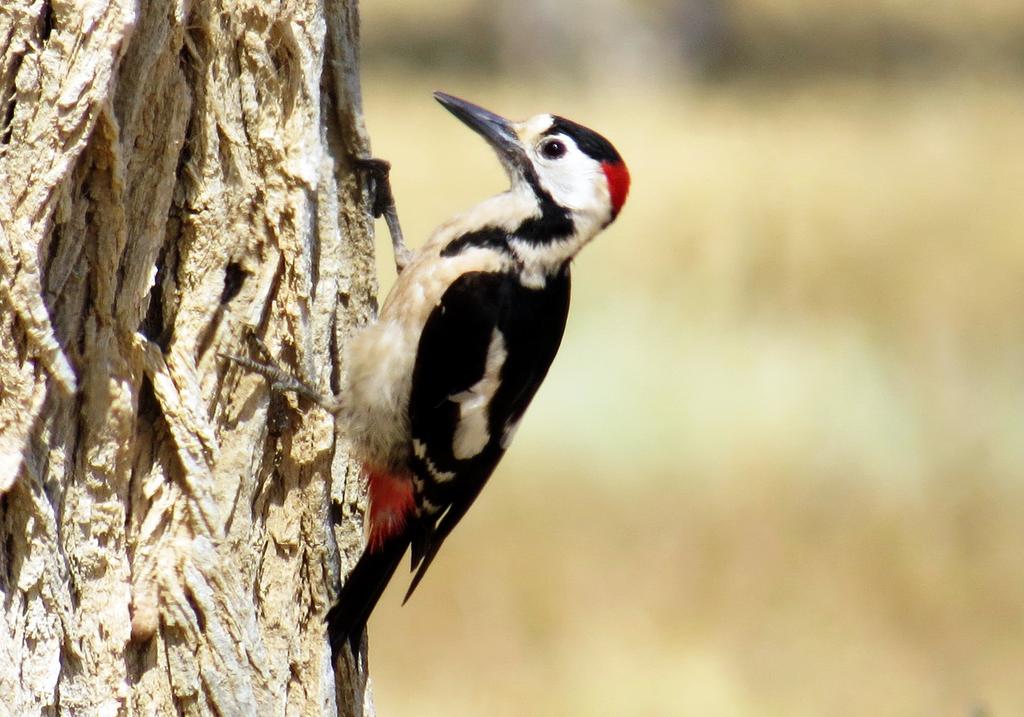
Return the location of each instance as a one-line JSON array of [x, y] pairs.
[[430, 507], [508, 434], [439, 476], [419, 448], [471, 434]]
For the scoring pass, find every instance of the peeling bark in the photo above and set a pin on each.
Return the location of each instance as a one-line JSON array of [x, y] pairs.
[[175, 177]]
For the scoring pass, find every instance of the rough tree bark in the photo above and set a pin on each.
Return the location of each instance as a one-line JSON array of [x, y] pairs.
[[176, 177]]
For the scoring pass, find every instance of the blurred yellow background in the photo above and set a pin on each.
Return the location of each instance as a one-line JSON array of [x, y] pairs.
[[776, 467]]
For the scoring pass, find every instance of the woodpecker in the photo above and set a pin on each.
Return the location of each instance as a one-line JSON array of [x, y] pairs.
[[438, 384]]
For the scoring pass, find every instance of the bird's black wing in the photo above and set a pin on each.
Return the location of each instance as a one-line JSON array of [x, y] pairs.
[[485, 321]]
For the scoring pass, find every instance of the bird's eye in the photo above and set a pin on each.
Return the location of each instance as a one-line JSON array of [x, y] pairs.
[[552, 149]]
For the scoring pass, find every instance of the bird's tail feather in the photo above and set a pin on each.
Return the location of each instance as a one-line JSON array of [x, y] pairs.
[[361, 591]]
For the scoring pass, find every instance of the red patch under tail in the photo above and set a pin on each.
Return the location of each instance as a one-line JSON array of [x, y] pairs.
[[391, 501]]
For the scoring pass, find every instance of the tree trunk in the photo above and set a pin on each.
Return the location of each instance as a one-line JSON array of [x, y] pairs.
[[176, 177]]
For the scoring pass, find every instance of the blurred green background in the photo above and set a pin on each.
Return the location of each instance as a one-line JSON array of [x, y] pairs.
[[776, 467]]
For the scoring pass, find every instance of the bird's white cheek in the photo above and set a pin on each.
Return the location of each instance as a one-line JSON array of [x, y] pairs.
[[577, 186]]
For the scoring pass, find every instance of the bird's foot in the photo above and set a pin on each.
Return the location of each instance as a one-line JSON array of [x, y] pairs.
[[379, 173], [280, 380]]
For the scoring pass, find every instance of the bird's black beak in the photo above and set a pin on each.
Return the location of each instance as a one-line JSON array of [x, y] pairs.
[[496, 130]]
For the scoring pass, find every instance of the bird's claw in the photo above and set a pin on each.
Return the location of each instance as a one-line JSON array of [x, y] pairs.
[[283, 382], [383, 205]]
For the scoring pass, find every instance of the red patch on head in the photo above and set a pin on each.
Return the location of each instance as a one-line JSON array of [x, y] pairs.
[[391, 501], [618, 184]]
